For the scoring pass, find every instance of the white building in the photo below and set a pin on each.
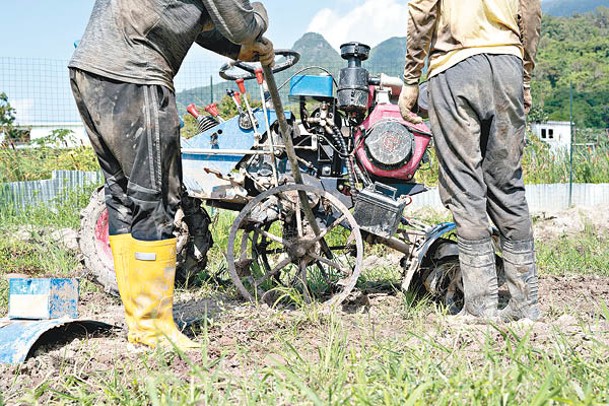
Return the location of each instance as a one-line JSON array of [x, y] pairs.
[[555, 133], [41, 130]]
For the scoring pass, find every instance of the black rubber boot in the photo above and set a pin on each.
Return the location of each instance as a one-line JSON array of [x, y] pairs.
[[477, 260], [521, 279]]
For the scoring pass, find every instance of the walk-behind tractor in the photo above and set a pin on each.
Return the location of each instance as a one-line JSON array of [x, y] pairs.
[[303, 232]]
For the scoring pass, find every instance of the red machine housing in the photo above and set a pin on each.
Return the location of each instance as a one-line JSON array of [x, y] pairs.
[[422, 137]]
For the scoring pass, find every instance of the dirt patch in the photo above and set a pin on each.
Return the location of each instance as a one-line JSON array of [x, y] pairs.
[[571, 305], [569, 223]]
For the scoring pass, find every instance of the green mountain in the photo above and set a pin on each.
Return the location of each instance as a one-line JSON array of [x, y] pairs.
[[566, 8], [573, 51], [388, 57], [316, 51]]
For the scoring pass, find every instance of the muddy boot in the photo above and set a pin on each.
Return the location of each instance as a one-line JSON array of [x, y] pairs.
[[521, 279], [477, 260], [150, 287], [121, 253]]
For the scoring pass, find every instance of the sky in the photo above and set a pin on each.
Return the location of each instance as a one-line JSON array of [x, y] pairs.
[[48, 28], [39, 36]]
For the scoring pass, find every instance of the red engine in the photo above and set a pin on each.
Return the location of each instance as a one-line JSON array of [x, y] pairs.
[[389, 147]]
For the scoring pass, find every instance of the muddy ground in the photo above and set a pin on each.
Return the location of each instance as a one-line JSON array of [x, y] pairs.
[[572, 305]]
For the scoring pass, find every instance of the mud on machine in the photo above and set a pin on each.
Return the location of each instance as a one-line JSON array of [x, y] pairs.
[[310, 187]]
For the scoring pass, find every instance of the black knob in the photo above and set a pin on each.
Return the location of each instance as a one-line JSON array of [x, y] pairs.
[[355, 53]]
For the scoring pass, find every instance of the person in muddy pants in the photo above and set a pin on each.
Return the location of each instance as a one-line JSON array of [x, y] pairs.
[[481, 56], [122, 79]]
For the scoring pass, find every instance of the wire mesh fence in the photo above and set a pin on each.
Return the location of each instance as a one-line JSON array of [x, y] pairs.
[[18, 196], [39, 89]]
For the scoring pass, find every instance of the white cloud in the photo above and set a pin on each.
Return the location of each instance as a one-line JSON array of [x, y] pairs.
[[370, 22]]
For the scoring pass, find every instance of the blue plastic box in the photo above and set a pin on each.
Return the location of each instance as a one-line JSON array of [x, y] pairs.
[[312, 86], [43, 298]]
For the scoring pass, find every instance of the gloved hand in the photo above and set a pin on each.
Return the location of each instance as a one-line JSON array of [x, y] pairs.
[[528, 100], [408, 99], [262, 50]]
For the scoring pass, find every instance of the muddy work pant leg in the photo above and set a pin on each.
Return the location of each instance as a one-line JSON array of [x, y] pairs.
[[134, 131], [477, 117]]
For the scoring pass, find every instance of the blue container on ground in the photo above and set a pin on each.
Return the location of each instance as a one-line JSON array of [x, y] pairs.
[[43, 298]]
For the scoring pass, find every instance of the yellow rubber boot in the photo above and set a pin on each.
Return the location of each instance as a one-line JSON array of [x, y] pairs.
[[122, 254], [151, 286]]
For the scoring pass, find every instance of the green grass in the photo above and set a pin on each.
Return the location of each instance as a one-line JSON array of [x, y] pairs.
[[541, 166], [62, 212], [403, 353], [586, 253], [38, 163], [493, 366], [590, 165]]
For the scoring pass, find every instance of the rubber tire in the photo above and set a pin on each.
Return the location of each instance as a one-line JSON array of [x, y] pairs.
[[96, 256], [443, 256]]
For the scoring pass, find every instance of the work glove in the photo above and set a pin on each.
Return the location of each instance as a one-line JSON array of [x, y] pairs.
[[528, 100], [408, 99], [260, 50]]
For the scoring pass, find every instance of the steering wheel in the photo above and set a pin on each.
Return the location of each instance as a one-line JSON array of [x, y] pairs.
[[290, 58]]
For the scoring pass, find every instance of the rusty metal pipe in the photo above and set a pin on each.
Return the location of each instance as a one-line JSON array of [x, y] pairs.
[[289, 146]]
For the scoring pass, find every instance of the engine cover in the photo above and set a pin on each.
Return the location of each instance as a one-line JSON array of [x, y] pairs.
[[388, 147], [389, 144]]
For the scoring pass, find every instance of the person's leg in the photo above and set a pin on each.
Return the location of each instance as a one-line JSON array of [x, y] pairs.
[[155, 175], [136, 128], [458, 98], [506, 200], [155, 188], [90, 93]]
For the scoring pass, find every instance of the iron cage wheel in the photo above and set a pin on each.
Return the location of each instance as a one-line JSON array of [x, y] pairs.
[[275, 257]]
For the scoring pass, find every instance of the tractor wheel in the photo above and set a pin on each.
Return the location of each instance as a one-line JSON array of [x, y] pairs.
[[96, 255], [441, 274]]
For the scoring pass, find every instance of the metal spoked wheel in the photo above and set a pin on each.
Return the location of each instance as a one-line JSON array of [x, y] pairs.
[[274, 256]]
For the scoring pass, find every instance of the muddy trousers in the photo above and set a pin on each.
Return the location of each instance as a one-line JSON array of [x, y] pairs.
[[135, 133], [478, 120]]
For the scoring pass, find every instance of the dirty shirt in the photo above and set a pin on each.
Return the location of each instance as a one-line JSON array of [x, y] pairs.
[[450, 31], [145, 41]]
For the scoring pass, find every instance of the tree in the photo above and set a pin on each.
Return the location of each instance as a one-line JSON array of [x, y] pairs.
[[8, 133]]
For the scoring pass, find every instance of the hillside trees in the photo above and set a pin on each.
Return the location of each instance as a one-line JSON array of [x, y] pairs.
[[574, 52]]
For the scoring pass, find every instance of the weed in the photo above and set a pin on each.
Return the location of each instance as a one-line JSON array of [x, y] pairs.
[[586, 253], [61, 212]]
